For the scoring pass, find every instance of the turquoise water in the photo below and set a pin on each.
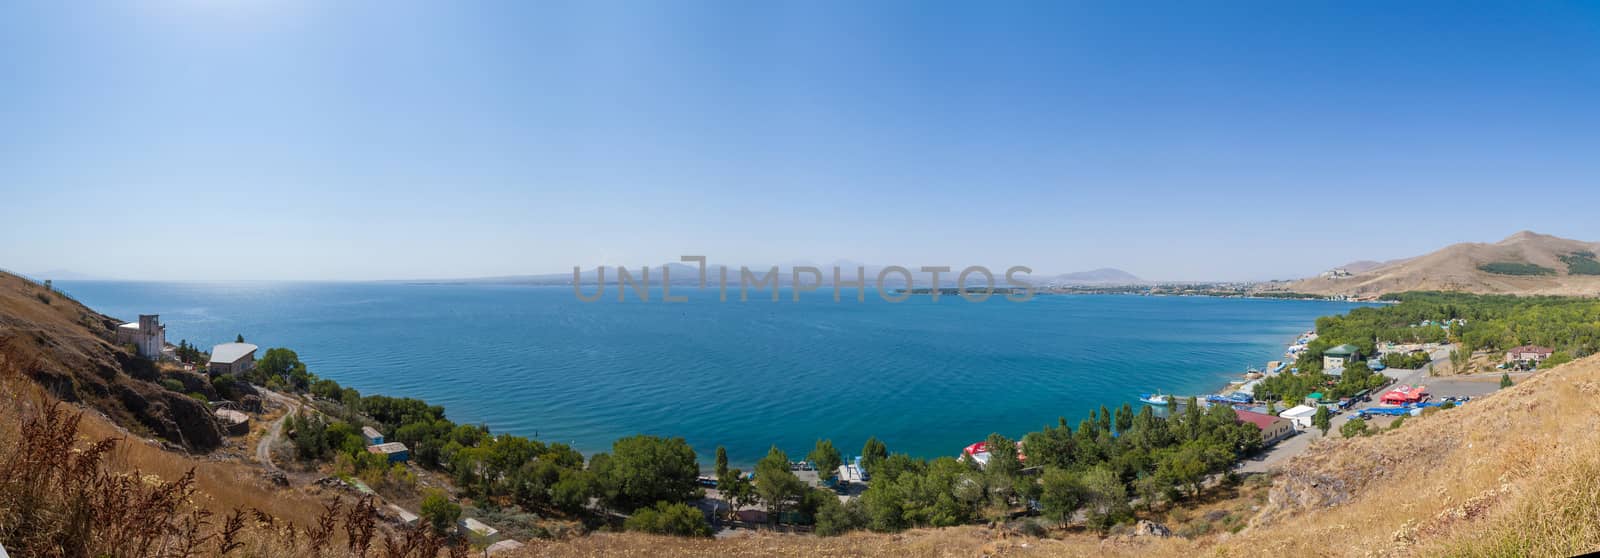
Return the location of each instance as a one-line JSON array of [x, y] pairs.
[[928, 378]]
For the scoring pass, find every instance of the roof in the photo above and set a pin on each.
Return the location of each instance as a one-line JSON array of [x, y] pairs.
[[502, 546], [405, 516], [1261, 421], [1341, 350], [229, 353], [371, 432], [391, 447], [1298, 411], [478, 527], [1532, 349], [130, 325]]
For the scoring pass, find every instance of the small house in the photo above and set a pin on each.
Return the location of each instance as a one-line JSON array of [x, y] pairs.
[[232, 358], [371, 435], [1531, 353], [1300, 415], [395, 451], [1338, 357], [1272, 428]]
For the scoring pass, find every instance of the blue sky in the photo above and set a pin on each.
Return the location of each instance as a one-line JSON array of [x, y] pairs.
[[263, 139]]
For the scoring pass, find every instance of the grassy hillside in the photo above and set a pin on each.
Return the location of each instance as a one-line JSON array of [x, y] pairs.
[[67, 348], [1525, 263]]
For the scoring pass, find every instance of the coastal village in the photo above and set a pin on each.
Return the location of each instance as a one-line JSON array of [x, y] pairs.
[[1286, 427]]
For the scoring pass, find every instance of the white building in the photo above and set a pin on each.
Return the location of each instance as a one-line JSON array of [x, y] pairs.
[[147, 336], [1300, 415], [232, 358]]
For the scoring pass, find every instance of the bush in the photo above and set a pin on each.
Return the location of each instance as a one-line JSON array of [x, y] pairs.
[[1355, 427], [669, 519], [1513, 268], [172, 384], [437, 510]]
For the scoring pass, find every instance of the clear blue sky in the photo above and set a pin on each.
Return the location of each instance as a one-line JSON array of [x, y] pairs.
[[266, 139]]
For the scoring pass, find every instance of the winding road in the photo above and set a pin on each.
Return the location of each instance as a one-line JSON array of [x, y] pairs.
[[264, 447]]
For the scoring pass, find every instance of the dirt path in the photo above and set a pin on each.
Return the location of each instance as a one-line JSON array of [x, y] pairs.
[[264, 447]]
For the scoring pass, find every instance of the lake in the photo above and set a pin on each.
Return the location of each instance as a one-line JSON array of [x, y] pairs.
[[926, 377]]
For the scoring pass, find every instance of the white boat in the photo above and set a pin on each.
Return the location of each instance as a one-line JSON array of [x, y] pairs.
[[1156, 399]]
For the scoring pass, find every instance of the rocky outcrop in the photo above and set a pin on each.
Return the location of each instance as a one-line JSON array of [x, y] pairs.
[[1147, 528]]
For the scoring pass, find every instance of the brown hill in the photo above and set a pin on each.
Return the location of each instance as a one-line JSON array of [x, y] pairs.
[[1525, 263], [68, 348]]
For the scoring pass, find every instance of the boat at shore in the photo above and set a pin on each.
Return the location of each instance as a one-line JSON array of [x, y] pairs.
[[1156, 399]]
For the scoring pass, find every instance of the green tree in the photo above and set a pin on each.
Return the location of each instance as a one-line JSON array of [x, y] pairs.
[[1060, 495], [669, 519], [1354, 427], [1106, 498], [722, 462], [826, 458], [835, 518], [439, 511], [238, 338], [642, 470], [873, 453], [776, 485], [285, 366], [1323, 420], [1505, 380]]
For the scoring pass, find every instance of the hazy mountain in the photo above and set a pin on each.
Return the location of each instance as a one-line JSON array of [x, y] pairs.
[[1102, 276], [1523, 263]]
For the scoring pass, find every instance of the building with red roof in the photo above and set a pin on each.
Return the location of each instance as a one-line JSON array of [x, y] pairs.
[[1272, 428], [1533, 353], [1405, 394]]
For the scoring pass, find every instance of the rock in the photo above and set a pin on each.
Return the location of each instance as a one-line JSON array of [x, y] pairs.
[[1147, 528], [277, 478], [250, 403]]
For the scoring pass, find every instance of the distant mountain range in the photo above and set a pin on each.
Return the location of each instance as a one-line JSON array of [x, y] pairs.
[[1525, 263], [682, 274]]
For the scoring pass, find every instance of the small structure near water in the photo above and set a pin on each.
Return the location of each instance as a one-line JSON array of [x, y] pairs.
[[395, 451], [232, 358], [371, 435], [236, 423], [147, 335]]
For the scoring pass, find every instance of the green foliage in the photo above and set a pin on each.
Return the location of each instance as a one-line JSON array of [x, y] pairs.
[[1555, 359], [282, 366], [1581, 263], [645, 469], [826, 458], [776, 485], [1516, 268], [873, 453], [1354, 427], [722, 462], [1323, 419], [238, 338], [1505, 380], [1106, 498], [835, 518], [1408, 361], [669, 519], [1398, 422], [172, 384], [1061, 496], [439, 512]]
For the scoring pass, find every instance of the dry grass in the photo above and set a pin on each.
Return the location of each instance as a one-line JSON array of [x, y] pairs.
[[66, 490]]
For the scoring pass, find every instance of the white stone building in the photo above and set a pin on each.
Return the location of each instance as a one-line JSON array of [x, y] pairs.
[[147, 335]]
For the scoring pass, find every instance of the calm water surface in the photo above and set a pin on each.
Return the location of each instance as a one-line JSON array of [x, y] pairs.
[[928, 378]]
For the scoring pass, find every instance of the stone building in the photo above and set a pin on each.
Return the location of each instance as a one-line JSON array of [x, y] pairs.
[[147, 335]]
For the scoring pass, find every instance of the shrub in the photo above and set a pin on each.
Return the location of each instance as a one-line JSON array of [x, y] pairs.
[[438, 511], [172, 384], [1513, 268], [669, 519]]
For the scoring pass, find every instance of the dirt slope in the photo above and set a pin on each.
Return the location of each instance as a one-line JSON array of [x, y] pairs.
[[1455, 268], [67, 348]]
